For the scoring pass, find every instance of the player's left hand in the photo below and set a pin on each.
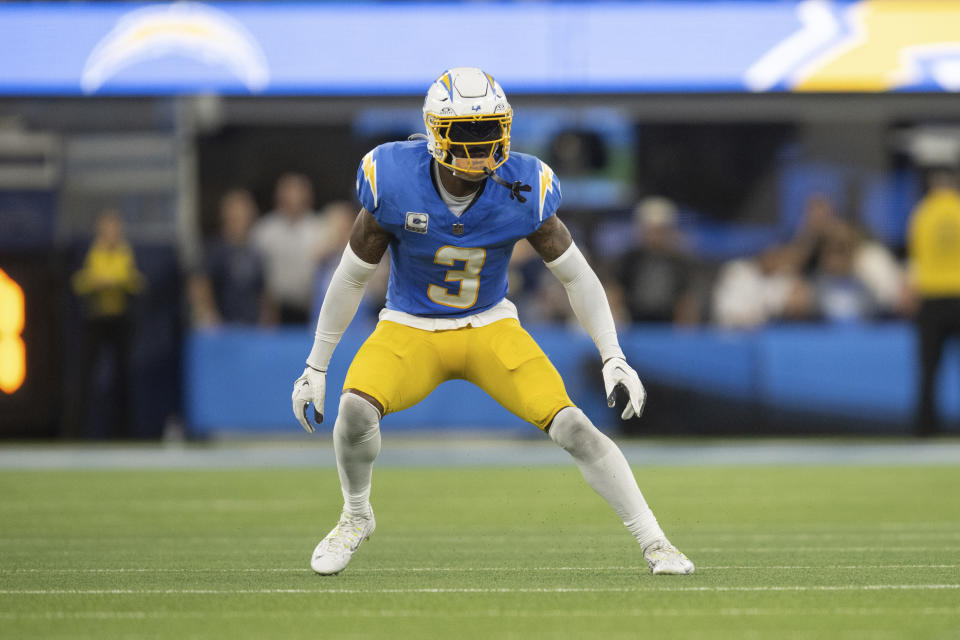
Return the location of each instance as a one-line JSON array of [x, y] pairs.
[[309, 387], [616, 372]]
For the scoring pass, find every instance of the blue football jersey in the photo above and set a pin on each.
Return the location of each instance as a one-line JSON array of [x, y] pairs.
[[442, 265]]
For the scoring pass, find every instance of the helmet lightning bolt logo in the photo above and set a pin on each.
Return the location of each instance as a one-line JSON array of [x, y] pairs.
[[546, 185], [370, 173]]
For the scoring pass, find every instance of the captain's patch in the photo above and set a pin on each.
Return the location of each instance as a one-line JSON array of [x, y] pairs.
[[416, 222]]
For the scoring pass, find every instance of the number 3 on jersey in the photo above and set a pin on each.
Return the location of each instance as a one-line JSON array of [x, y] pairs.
[[468, 277]]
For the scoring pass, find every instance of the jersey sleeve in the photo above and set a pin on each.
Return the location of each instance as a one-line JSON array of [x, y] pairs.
[[548, 192], [368, 187]]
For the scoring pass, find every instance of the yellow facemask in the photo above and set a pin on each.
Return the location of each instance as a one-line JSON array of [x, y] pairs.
[[472, 145]]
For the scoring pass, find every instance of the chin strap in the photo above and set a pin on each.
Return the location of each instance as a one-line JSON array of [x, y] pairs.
[[515, 187]]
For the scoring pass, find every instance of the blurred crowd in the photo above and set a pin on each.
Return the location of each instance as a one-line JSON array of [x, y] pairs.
[[273, 269], [831, 271]]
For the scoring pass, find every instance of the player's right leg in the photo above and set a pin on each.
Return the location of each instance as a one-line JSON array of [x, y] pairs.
[[356, 441], [394, 369]]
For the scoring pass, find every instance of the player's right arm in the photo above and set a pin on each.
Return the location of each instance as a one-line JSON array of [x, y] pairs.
[[368, 243]]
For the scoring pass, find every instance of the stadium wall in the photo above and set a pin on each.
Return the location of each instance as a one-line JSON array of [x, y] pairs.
[[802, 379]]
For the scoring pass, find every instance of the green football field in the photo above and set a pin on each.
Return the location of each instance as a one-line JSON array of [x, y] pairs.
[[790, 552]]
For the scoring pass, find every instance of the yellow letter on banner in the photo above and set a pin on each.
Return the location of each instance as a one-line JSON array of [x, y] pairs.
[[13, 351]]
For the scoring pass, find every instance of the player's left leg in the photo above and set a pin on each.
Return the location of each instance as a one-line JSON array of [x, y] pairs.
[[509, 365], [606, 470]]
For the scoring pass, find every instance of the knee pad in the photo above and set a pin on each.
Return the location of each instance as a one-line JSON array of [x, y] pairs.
[[573, 431], [357, 420]]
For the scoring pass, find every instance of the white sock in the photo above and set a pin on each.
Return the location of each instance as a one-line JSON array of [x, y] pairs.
[[606, 470], [356, 442]]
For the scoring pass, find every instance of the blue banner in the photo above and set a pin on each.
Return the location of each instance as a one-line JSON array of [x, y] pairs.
[[398, 48], [866, 372]]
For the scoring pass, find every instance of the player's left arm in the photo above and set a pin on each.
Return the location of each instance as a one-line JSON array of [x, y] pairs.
[[553, 242]]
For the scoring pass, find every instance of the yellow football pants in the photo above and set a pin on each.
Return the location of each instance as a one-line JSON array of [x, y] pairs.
[[400, 366]]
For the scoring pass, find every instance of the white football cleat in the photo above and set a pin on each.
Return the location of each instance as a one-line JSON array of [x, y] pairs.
[[334, 552], [666, 560]]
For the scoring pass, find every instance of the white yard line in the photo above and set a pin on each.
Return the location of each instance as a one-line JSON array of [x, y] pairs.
[[513, 569], [829, 566], [454, 590], [895, 543], [819, 549], [691, 536], [480, 613]]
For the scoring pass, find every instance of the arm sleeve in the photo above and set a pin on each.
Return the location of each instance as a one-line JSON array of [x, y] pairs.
[[588, 300], [339, 306]]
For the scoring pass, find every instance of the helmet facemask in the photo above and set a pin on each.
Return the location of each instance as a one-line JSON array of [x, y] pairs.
[[471, 145]]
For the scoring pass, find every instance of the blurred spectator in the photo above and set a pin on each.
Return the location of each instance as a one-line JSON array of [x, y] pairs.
[[105, 284], [525, 276], [338, 220], [879, 270], [338, 217], [658, 275], [859, 279], [841, 295], [541, 299], [820, 219], [752, 292], [230, 288], [934, 252], [291, 239]]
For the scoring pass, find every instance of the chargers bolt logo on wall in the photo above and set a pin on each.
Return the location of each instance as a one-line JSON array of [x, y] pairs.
[[881, 45], [187, 29]]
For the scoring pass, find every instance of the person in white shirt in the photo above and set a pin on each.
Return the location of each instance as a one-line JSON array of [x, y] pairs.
[[291, 239]]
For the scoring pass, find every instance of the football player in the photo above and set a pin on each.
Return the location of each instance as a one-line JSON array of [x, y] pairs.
[[450, 206]]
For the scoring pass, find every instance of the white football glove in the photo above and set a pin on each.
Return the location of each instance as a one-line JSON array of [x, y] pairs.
[[616, 372], [309, 387]]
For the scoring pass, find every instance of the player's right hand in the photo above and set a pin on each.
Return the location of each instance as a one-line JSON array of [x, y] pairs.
[[309, 387]]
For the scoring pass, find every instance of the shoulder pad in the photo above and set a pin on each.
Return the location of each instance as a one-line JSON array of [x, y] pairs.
[[547, 190], [368, 190]]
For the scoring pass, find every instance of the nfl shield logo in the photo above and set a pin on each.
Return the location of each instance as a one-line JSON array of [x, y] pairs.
[[417, 222], [458, 228]]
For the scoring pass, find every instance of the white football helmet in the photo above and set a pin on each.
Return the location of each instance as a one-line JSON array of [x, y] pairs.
[[468, 118]]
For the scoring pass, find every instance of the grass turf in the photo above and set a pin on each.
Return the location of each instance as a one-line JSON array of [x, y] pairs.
[[796, 552]]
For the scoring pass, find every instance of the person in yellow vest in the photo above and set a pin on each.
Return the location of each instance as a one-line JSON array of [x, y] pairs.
[[934, 253], [105, 284]]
